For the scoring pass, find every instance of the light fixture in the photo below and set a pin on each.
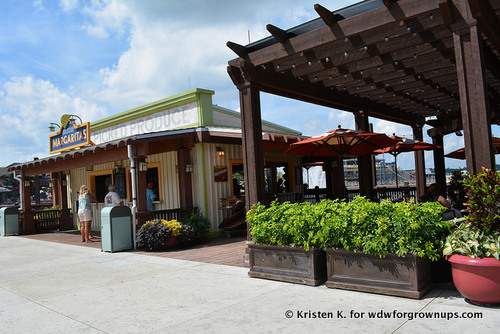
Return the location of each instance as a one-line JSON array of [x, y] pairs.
[[220, 151], [143, 166], [27, 183], [52, 127], [89, 168], [189, 167], [72, 119], [51, 184]]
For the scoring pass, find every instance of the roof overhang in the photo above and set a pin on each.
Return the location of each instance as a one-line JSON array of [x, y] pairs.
[[147, 144]]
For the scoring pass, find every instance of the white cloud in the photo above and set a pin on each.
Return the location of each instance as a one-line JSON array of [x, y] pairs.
[[28, 105], [38, 5], [108, 17], [68, 5]]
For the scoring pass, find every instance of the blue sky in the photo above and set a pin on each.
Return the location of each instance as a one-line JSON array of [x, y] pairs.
[[97, 58]]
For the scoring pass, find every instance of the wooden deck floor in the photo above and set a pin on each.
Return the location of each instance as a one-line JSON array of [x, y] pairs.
[[225, 251]]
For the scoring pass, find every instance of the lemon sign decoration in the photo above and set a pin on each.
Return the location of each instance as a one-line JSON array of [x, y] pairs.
[[64, 120]]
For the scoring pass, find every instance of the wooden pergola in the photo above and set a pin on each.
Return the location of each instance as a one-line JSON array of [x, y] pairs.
[[434, 62]]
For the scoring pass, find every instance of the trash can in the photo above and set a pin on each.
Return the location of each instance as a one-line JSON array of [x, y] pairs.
[[116, 229], [9, 221]]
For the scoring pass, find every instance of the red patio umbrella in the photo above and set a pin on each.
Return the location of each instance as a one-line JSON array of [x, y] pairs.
[[405, 145], [341, 142], [460, 153]]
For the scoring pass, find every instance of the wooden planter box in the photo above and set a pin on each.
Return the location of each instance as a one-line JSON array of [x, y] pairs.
[[287, 264], [408, 276]]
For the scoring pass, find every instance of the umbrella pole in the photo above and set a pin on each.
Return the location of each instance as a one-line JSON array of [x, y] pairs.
[[396, 167]]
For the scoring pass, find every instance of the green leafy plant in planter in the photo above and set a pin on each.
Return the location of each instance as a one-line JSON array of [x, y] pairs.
[[473, 247], [383, 247], [286, 224], [355, 235], [382, 228], [286, 242]]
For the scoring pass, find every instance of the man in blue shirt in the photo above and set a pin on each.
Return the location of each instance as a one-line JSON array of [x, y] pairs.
[[150, 195]]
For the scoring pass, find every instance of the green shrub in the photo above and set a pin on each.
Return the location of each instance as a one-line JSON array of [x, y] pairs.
[[359, 225], [200, 226]]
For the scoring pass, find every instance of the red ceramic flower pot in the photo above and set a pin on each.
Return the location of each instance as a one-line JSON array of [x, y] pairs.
[[476, 279], [172, 242]]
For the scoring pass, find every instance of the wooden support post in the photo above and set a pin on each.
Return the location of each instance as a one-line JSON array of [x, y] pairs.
[[185, 181], [253, 156], [365, 162], [56, 189], [473, 98], [439, 166], [419, 163], [141, 180], [28, 221], [37, 188], [335, 167], [66, 222]]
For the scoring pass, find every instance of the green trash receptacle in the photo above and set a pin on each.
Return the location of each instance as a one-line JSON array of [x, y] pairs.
[[116, 229], [9, 221]]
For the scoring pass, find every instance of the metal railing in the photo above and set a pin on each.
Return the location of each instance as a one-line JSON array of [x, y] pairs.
[[392, 194]]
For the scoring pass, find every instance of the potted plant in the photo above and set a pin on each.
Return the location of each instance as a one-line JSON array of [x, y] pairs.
[[285, 243], [473, 247], [160, 234], [383, 247]]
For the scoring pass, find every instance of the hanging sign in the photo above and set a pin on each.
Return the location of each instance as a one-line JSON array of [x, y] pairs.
[[70, 136]]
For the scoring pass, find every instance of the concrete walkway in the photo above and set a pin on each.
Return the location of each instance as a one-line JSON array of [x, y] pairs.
[[48, 287]]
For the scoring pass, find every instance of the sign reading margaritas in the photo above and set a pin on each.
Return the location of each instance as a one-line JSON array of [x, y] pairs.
[[69, 136]]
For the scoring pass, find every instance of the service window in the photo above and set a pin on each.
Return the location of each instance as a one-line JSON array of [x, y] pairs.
[[99, 182], [153, 176]]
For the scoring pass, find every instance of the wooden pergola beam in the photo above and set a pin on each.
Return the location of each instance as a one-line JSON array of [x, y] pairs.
[[388, 3], [487, 20], [281, 35], [349, 27], [283, 85], [240, 50], [327, 16]]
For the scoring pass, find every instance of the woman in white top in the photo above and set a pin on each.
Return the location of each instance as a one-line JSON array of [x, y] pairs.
[[85, 213]]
